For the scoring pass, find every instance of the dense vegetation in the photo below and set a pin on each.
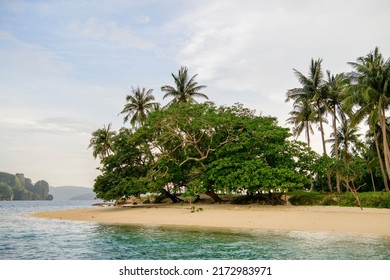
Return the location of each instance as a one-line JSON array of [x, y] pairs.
[[17, 187], [367, 199], [202, 148]]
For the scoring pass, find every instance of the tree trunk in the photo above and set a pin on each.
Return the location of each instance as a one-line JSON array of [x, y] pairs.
[[323, 144], [386, 150], [336, 148], [372, 180], [214, 196], [354, 192], [384, 175], [322, 130], [308, 145], [172, 197]]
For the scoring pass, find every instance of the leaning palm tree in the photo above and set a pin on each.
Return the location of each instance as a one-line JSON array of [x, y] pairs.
[[102, 142], [371, 93], [138, 106], [185, 89]]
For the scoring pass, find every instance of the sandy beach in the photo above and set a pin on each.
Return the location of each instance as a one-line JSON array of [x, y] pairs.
[[291, 218]]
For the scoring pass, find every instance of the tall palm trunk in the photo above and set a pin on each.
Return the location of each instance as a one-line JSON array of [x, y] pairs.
[[323, 143], [386, 150], [384, 175], [336, 147], [322, 130], [372, 180], [308, 145]]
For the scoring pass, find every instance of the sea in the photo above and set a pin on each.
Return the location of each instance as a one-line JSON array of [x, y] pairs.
[[23, 237]]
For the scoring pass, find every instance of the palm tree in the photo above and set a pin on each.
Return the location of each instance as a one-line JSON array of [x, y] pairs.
[[350, 147], [334, 87], [372, 94], [303, 114], [138, 106], [102, 142], [310, 98], [347, 137], [312, 87], [375, 133], [302, 117], [185, 89]]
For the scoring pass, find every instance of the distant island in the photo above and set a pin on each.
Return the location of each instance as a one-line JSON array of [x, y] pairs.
[[18, 187], [72, 193]]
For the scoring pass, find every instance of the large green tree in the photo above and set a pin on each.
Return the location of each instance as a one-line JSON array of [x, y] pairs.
[[201, 148]]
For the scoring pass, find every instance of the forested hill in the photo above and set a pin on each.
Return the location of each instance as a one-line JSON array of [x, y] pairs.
[[18, 187]]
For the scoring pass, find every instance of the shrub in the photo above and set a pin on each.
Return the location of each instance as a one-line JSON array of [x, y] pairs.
[[329, 200], [306, 198], [367, 199], [159, 198], [242, 199]]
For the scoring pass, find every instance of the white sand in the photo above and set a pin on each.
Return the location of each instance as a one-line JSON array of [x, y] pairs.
[[296, 218]]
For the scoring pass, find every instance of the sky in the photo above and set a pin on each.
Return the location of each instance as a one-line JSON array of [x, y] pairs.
[[67, 66]]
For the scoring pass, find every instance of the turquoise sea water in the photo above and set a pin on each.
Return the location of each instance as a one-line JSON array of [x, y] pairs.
[[29, 238]]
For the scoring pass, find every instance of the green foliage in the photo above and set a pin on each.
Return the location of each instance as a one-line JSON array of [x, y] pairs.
[[260, 198], [196, 209], [6, 192], [17, 187], [367, 199], [306, 198], [203, 147]]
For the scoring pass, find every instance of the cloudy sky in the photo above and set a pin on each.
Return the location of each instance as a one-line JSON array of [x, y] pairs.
[[67, 66]]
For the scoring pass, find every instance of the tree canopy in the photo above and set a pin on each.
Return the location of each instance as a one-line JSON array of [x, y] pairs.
[[204, 148]]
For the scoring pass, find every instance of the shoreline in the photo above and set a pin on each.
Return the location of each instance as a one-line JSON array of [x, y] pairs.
[[333, 219]]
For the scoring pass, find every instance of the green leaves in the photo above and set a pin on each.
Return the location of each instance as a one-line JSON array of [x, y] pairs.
[[201, 147]]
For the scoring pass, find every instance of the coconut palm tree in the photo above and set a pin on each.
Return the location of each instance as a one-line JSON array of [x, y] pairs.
[[302, 117], [334, 87], [375, 133], [309, 98], [350, 147], [312, 88], [371, 93], [185, 89], [303, 114], [138, 106], [102, 142], [348, 139]]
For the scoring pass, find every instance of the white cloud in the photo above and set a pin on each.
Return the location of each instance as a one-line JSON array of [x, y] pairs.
[[252, 45]]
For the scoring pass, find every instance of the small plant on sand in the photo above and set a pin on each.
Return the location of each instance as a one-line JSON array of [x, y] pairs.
[[196, 209]]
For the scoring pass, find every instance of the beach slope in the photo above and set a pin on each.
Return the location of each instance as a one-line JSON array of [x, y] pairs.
[[291, 218]]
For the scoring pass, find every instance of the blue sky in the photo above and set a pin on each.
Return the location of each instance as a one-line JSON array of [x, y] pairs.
[[67, 66]]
